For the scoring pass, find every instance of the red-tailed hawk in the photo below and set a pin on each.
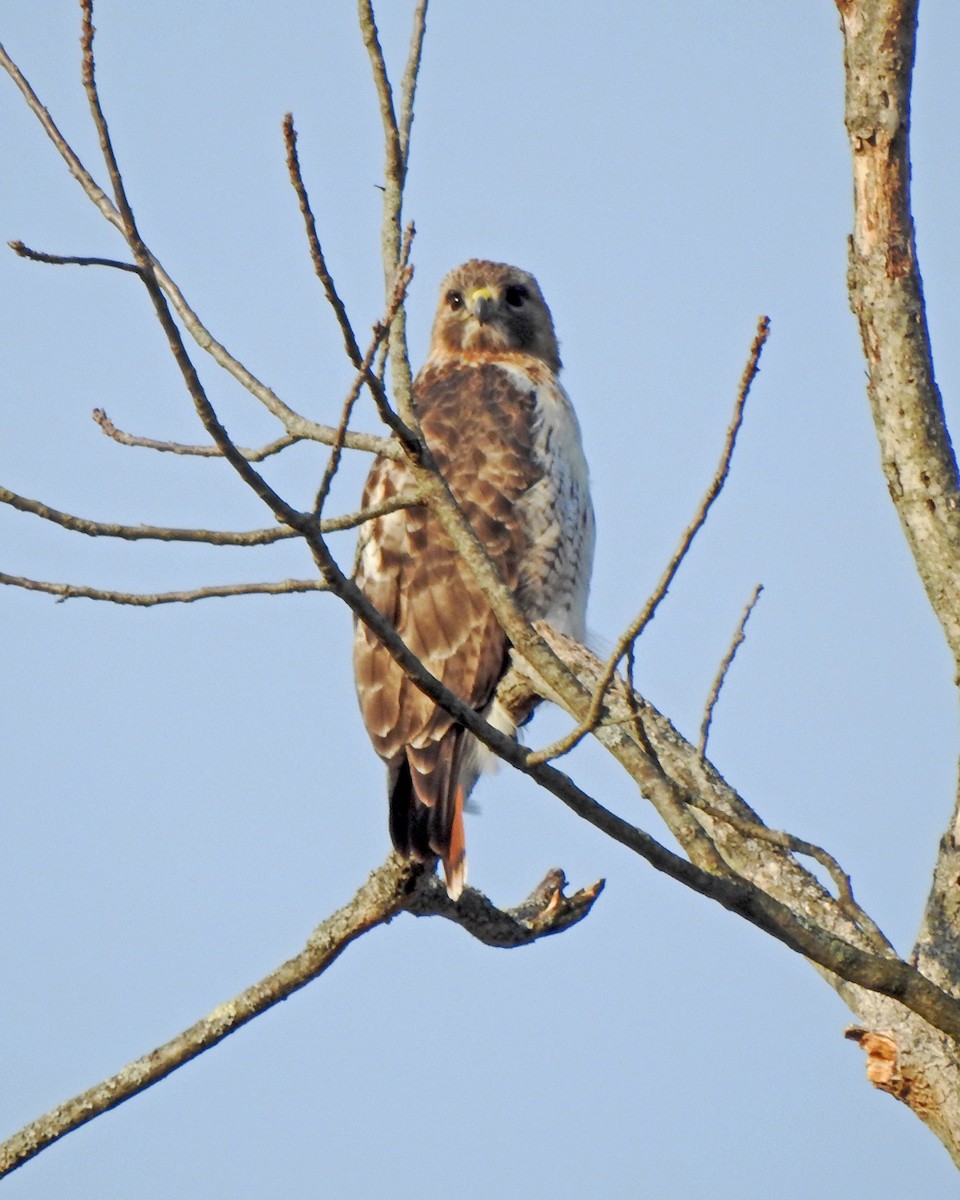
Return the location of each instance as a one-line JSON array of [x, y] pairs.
[[506, 439]]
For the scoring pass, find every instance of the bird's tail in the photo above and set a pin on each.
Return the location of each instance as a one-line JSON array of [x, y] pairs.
[[426, 817], [455, 857]]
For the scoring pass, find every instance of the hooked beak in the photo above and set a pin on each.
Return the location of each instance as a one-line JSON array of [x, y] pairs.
[[483, 304]]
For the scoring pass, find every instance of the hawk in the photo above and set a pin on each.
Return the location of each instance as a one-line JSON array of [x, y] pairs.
[[505, 437]]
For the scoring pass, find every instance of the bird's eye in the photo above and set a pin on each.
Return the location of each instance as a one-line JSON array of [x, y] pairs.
[[515, 295], [455, 301]]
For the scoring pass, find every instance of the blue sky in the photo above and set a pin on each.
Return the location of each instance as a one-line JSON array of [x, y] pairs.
[[187, 791]]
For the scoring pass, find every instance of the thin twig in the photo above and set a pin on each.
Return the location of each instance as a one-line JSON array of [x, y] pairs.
[[361, 362], [71, 259], [90, 186], [636, 627], [380, 367], [713, 491], [408, 499], [725, 665], [333, 461], [408, 84], [796, 845], [321, 269], [135, 533], [210, 537], [132, 439], [75, 591], [633, 705], [396, 154], [364, 372], [404, 426]]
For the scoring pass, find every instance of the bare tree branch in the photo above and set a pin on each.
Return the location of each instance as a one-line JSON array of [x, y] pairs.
[[545, 911], [294, 424], [725, 666], [280, 508], [771, 890], [61, 260], [379, 899], [131, 439], [408, 85], [646, 615], [408, 499], [886, 294], [211, 537], [364, 375], [322, 270], [76, 591], [157, 533], [845, 955], [796, 845], [733, 858], [319, 259], [395, 173], [393, 888], [333, 462]]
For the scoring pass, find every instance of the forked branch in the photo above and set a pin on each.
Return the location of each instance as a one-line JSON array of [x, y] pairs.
[[395, 887], [294, 424]]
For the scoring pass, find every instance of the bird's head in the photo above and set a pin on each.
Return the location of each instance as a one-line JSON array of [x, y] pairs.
[[488, 308]]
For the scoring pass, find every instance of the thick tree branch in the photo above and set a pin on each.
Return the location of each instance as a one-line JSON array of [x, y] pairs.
[[395, 887], [796, 845], [789, 904], [886, 294], [545, 911], [771, 889]]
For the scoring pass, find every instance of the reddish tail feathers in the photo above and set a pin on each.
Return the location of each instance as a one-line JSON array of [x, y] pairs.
[[455, 858]]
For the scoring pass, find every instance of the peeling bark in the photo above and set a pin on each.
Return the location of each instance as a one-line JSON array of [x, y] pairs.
[[905, 1057], [886, 294]]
